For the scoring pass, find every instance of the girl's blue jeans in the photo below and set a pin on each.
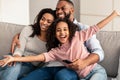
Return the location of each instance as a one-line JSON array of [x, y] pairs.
[[98, 73], [63, 73], [52, 73], [20, 70]]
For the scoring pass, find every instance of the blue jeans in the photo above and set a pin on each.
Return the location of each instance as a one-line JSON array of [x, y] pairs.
[[15, 72], [52, 73], [98, 73]]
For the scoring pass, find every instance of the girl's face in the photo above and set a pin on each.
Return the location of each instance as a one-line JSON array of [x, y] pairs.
[[46, 21], [62, 32]]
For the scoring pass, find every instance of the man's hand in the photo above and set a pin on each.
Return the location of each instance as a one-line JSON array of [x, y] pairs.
[[15, 42], [78, 64]]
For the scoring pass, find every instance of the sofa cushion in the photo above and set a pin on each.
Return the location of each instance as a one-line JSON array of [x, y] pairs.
[[110, 41], [7, 32]]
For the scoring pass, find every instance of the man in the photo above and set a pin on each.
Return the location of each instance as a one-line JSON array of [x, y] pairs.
[[65, 8]]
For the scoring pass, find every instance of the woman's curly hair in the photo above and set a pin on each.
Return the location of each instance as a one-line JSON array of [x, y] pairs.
[[52, 41]]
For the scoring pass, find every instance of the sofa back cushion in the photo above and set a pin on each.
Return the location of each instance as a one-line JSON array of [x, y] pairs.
[[110, 42], [7, 32]]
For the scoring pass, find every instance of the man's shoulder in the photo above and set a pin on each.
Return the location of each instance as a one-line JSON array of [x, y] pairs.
[[27, 28], [80, 25]]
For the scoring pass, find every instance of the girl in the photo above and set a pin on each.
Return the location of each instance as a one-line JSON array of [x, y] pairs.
[[65, 43]]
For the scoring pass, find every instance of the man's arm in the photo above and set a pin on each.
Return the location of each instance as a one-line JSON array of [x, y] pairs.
[[93, 45], [15, 42], [80, 64], [96, 55]]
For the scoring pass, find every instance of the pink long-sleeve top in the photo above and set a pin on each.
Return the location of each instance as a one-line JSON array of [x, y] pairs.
[[74, 50]]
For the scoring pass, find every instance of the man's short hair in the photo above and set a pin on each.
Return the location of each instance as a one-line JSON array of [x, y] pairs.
[[69, 1]]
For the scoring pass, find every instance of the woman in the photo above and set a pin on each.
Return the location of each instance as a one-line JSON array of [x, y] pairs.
[[32, 41]]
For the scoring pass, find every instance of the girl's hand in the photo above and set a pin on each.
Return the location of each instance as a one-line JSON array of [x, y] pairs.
[[116, 12], [13, 63], [7, 59]]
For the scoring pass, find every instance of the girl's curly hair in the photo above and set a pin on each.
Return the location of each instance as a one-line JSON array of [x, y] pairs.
[[52, 41]]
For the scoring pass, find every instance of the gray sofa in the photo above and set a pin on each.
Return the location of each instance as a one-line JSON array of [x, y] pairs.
[[110, 42]]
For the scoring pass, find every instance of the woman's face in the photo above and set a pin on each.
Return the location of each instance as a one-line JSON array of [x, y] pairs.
[[62, 32], [46, 21]]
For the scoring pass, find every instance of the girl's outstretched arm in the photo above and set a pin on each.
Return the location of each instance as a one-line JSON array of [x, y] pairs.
[[8, 59], [102, 23]]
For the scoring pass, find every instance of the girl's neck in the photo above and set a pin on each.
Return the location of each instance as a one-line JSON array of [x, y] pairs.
[[66, 43], [42, 36]]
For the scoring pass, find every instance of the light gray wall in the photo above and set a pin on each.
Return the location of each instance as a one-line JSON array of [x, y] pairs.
[[36, 5], [15, 11], [25, 11], [77, 9], [0, 11]]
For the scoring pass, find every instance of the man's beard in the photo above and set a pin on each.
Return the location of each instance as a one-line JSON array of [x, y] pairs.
[[67, 16]]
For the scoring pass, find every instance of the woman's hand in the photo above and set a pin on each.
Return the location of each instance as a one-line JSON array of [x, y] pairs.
[[7, 59]]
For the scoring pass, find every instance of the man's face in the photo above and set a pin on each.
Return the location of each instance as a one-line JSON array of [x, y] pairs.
[[63, 9]]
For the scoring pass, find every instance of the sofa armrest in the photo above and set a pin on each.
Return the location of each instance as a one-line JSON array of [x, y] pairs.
[[7, 32], [110, 43], [118, 76]]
